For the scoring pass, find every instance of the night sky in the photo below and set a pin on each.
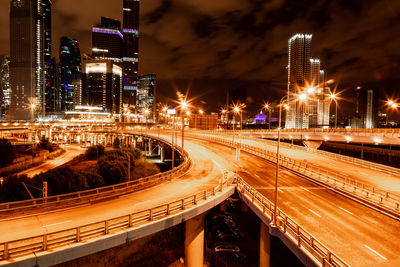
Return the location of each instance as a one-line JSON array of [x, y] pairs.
[[214, 45]]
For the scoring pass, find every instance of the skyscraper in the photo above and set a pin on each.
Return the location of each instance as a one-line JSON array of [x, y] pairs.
[[146, 95], [107, 40], [49, 61], [5, 89], [27, 76], [102, 85], [299, 72], [131, 50], [70, 71]]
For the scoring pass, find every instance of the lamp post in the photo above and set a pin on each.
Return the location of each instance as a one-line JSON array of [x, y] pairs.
[[333, 97], [32, 106], [184, 106], [269, 108], [392, 105], [283, 102]]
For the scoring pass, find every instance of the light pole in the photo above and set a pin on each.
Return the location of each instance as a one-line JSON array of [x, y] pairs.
[[392, 105], [333, 97], [32, 106], [269, 108], [282, 102], [184, 106], [146, 113]]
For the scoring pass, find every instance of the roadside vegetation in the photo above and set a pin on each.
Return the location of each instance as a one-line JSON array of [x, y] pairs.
[[96, 168]]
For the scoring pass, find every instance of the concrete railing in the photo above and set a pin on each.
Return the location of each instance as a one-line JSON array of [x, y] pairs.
[[381, 200], [87, 232], [98, 194], [311, 246]]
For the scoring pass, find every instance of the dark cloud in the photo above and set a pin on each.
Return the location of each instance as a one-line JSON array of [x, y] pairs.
[[245, 42]]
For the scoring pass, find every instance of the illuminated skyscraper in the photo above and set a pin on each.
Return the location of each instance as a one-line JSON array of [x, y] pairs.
[[107, 40], [49, 61], [299, 72], [146, 95], [102, 85], [27, 67], [70, 72], [131, 50], [5, 89]]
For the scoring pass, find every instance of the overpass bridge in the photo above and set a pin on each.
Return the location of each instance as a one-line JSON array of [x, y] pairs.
[[319, 220]]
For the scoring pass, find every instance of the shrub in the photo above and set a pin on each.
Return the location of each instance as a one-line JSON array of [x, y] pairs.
[[7, 153], [144, 169], [94, 152]]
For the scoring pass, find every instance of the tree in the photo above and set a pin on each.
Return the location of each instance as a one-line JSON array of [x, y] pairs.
[[94, 152], [113, 171], [144, 169], [93, 179], [7, 153]]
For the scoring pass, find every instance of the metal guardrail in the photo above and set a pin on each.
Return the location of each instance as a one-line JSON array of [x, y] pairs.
[[391, 131], [84, 233], [382, 200], [364, 163], [306, 242], [97, 194]]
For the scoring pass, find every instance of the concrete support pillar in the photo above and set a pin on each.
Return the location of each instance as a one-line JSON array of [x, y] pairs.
[[134, 142], [162, 153], [222, 206], [150, 147], [244, 207], [194, 242], [265, 245]]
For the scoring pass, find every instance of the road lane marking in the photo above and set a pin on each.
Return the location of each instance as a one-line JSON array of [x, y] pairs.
[[259, 165], [54, 224], [349, 212], [256, 175], [380, 255], [280, 190], [315, 213], [305, 189]]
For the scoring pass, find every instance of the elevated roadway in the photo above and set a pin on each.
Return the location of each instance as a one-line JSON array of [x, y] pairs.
[[374, 177], [357, 234], [71, 151]]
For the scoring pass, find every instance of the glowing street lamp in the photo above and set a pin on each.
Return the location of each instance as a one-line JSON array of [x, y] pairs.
[[32, 106], [334, 97], [269, 108]]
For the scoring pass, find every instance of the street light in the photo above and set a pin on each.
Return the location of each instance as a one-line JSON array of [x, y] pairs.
[[269, 108], [32, 106], [392, 105], [146, 113], [283, 102], [184, 105], [334, 97]]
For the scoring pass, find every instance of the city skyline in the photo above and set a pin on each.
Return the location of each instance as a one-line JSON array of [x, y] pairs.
[[344, 50]]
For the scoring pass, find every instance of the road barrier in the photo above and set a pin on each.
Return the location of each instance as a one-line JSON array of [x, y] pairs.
[[381, 200], [364, 163], [97, 194], [306, 242], [84, 233]]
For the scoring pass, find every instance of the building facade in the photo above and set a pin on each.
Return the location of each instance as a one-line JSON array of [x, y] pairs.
[[107, 40], [27, 66], [305, 77], [130, 50], [102, 85], [299, 72], [70, 72], [146, 95], [5, 89]]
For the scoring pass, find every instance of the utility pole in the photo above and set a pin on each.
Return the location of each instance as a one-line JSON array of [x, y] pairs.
[[45, 191]]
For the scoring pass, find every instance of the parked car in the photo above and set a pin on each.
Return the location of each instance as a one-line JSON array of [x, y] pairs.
[[229, 235]]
